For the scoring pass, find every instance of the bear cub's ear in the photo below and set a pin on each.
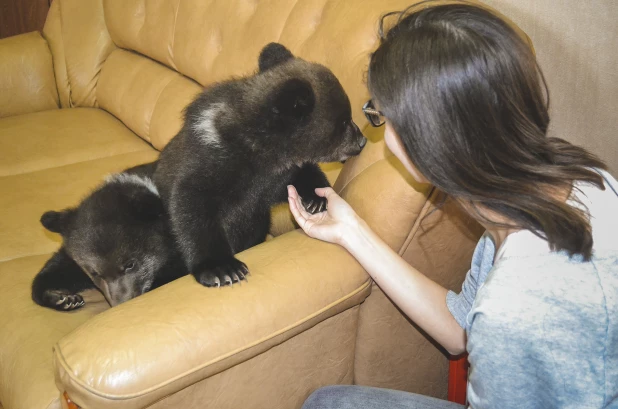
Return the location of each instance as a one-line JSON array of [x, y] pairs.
[[292, 102], [57, 222], [273, 54], [146, 206]]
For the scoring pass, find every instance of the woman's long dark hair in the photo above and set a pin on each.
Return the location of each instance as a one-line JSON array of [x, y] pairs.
[[467, 98]]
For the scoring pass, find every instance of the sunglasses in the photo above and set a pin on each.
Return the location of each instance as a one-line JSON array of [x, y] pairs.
[[375, 117]]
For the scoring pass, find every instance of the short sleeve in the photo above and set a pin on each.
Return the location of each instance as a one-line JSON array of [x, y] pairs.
[[482, 261]]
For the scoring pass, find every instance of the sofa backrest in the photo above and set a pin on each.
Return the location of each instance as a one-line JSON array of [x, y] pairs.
[[144, 61]]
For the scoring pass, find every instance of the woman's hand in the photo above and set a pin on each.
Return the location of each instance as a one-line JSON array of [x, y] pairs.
[[332, 225]]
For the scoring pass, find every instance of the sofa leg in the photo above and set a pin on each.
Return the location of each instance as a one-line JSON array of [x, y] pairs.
[[67, 403]]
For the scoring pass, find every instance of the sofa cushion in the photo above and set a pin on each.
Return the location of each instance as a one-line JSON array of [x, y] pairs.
[[48, 160], [47, 139], [25, 197], [28, 83], [147, 96], [29, 333], [211, 41], [78, 39]]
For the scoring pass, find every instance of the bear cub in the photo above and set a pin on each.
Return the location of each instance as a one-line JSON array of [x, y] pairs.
[[117, 240], [242, 142]]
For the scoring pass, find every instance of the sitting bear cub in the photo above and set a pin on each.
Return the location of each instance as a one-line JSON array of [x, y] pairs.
[[117, 240], [243, 141]]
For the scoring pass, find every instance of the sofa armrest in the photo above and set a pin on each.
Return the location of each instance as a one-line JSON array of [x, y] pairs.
[[27, 82], [155, 345]]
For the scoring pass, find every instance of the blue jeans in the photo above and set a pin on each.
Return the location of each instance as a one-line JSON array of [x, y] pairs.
[[362, 397]]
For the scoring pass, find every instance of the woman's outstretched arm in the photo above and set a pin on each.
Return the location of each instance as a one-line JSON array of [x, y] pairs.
[[421, 299]]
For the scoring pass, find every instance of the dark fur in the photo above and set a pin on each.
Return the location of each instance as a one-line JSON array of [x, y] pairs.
[[117, 240], [243, 141]]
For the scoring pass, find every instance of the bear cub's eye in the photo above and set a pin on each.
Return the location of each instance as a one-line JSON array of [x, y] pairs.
[[129, 265]]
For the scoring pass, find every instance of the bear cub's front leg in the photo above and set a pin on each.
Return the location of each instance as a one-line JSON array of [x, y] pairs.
[[205, 244], [220, 272], [307, 179], [57, 284]]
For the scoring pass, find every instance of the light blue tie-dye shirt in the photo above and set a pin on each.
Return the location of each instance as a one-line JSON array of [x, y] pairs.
[[542, 327]]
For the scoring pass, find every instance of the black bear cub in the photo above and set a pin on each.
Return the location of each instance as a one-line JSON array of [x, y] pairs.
[[118, 240], [243, 141]]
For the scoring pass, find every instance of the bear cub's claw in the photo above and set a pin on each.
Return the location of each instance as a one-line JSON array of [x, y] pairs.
[[315, 204], [63, 301], [222, 273]]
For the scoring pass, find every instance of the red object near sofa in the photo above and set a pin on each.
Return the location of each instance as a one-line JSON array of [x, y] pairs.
[[458, 379]]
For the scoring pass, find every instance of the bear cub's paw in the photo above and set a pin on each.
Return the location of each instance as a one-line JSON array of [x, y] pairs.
[[314, 203], [220, 273], [63, 301]]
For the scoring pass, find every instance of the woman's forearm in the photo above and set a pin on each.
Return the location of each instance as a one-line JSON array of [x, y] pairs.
[[421, 299]]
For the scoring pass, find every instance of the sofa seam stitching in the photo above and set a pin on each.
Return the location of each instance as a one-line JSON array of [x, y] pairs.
[[51, 55], [173, 42], [417, 222], [365, 169], [64, 52], [146, 149], [154, 108]]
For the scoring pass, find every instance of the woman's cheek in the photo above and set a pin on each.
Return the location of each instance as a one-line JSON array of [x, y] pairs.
[[394, 145]]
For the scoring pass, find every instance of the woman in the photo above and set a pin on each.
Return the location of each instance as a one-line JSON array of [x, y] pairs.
[[463, 103]]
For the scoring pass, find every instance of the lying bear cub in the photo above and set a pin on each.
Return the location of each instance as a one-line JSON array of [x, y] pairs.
[[243, 141], [118, 240]]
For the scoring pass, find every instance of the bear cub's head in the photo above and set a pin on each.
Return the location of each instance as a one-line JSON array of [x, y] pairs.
[[118, 235], [306, 106], [290, 112]]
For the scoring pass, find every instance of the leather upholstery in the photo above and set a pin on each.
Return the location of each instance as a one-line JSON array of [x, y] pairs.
[[168, 32], [319, 356], [80, 43], [25, 197], [195, 333], [27, 77], [49, 160], [127, 69], [145, 95], [68, 135], [28, 334]]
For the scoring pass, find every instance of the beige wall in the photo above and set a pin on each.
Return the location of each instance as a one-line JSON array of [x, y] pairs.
[[577, 46]]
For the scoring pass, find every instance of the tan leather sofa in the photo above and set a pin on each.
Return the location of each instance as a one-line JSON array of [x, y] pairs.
[[102, 88]]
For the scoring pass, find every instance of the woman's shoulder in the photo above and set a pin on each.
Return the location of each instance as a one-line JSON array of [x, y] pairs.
[[601, 206], [551, 315], [589, 191]]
